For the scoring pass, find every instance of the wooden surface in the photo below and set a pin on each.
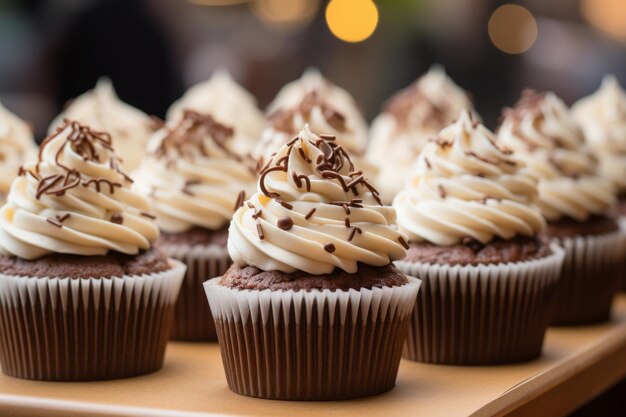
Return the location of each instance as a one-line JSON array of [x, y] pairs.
[[577, 365]]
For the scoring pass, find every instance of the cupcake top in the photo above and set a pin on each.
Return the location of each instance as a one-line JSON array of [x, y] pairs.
[[101, 109], [313, 212], [545, 136], [293, 93], [227, 102], [602, 116], [194, 174], [321, 116], [75, 199], [466, 186], [16, 146], [408, 120]]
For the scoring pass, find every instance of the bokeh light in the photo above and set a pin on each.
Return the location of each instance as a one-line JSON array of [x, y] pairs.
[[512, 29], [607, 15], [352, 20], [285, 14]]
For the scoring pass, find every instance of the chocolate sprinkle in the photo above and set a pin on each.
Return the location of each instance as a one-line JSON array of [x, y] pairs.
[[310, 214], [64, 217], [54, 222], [442, 191], [347, 221], [259, 230], [284, 223], [329, 247], [403, 242], [117, 218], [148, 215], [240, 199]]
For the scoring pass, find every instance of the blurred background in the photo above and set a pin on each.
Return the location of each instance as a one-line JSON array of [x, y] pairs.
[[53, 50]]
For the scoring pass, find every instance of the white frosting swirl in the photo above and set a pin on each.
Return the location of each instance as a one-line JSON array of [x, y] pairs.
[[17, 145], [465, 186], [602, 116], [229, 103], [296, 220], [101, 109], [194, 175], [545, 136], [75, 200], [411, 117]]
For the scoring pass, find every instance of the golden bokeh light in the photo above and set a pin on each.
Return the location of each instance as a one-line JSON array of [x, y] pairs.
[[352, 20], [606, 15], [512, 29], [285, 12]]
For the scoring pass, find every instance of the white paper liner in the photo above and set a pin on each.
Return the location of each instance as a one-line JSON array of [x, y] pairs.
[[482, 314], [60, 328], [192, 316], [589, 279], [311, 345]]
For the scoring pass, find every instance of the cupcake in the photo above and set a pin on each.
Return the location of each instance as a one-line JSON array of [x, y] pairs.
[[196, 178], [409, 119], [488, 279], [603, 119], [16, 146], [574, 199], [226, 101], [312, 308], [101, 109], [83, 295]]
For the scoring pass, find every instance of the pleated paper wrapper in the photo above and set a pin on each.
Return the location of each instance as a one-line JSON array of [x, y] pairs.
[[590, 278], [481, 314], [311, 345], [67, 329], [192, 316]]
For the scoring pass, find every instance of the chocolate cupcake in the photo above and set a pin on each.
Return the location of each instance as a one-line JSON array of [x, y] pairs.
[[488, 280], [312, 308], [228, 103], [409, 118], [83, 295], [17, 145], [196, 179], [101, 109], [602, 116], [574, 199]]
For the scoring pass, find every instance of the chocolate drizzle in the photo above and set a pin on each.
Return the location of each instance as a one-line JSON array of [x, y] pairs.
[[85, 142], [189, 136]]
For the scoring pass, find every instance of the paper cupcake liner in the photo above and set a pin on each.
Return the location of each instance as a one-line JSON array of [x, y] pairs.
[[589, 279], [483, 314], [192, 316], [65, 329], [311, 345]]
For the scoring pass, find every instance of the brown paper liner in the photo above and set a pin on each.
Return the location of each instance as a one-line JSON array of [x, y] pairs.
[[64, 329], [589, 279], [193, 321], [316, 345], [484, 314]]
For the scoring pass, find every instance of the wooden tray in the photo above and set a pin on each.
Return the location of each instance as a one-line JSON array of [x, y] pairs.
[[577, 365]]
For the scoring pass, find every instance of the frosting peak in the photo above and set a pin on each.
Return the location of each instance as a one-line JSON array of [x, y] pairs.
[[101, 109], [16, 146], [75, 199], [410, 118], [544, 135], [321, 116], [313, 211], [227, 102], [466, 186], [603, 119], [195, 174]]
